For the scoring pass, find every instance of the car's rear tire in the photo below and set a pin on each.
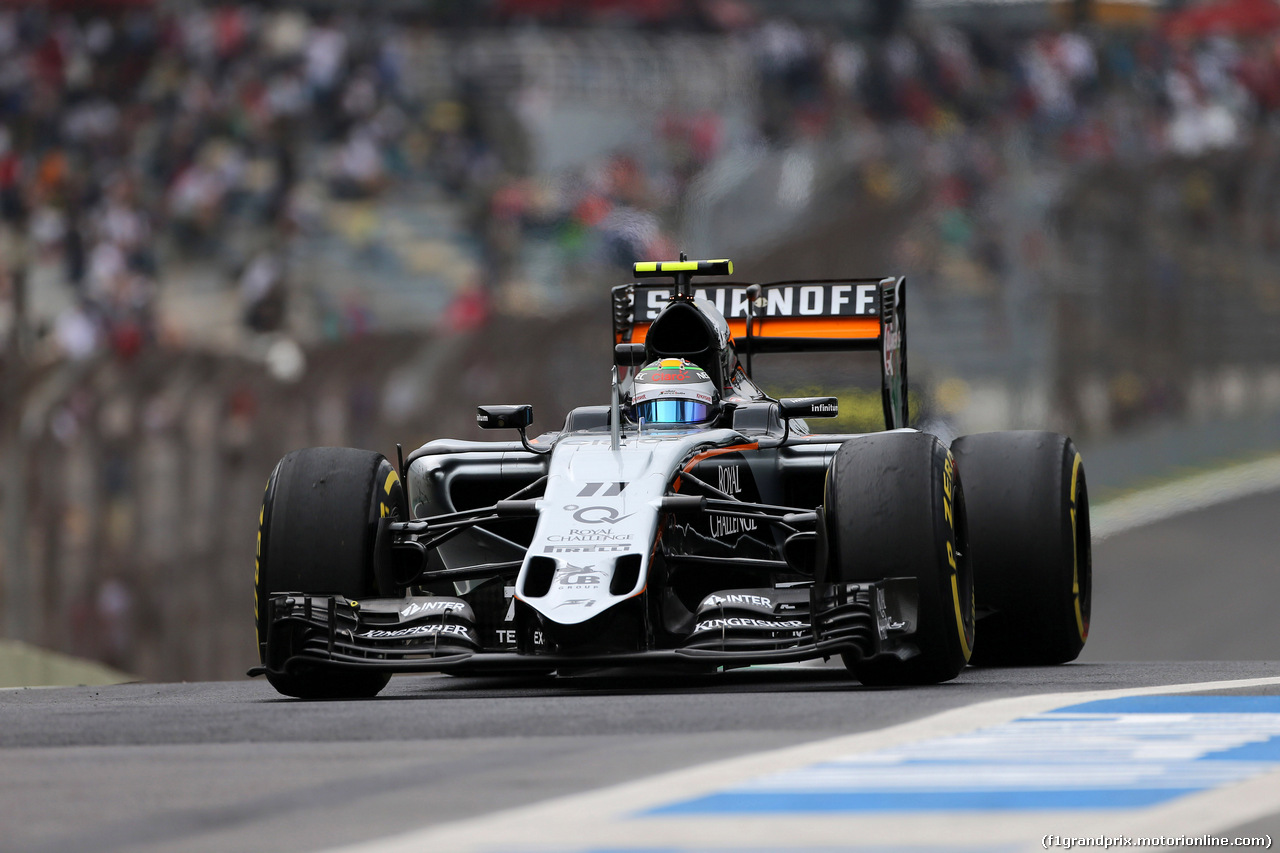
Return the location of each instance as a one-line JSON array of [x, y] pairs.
[[316, 535], [894, 508], [1029, 531]]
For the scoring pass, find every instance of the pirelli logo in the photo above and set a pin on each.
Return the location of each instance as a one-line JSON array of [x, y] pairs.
[[786, 300]]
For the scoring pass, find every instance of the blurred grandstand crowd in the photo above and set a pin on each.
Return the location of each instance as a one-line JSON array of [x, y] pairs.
[[135, 144], [278, 147], [150, 135]]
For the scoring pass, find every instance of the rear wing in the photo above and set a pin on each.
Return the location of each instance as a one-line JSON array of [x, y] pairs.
[[812, 315]]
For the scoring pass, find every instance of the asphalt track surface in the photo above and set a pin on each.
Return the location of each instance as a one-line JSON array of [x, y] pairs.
[[1204, 586], [232, 766]]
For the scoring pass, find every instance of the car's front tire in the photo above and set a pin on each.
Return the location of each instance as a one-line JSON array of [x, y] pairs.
[[894, 508], [316, 535]]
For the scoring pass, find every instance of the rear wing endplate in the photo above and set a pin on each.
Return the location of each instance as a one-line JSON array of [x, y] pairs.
[[812, 315]]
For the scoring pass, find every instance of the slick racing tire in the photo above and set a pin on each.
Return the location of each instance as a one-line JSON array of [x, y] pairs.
[[894, 509], [316, 535], [1029, 531]]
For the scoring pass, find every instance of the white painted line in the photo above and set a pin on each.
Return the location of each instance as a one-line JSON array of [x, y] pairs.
[[1173, 499], [608, 818]]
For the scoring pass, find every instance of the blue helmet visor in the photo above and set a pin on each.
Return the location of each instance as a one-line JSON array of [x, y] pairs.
[[673, 412]]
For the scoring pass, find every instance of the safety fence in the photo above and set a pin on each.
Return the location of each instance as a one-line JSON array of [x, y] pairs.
[[139, 484]]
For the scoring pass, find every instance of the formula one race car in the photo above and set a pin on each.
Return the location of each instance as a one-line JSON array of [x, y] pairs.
[[693, 522]]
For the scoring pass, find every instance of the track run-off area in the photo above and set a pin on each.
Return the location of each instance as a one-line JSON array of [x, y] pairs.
[[1168, 726]]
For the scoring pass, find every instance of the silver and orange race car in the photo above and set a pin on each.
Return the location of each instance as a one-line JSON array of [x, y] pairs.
[[692, 521]]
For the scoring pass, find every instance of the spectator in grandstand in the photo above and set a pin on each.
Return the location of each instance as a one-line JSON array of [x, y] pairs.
[[153, 136]]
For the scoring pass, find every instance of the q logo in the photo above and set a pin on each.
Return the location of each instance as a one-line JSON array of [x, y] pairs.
[[596, 514]]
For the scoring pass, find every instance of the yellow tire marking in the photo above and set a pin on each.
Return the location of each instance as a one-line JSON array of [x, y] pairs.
[[392, 479], [955, 597], [1075, 550], [948, 486]]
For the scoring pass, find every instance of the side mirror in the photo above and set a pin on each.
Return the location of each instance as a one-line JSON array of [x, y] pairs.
[[809, 407], [504, 417], [628, 355]]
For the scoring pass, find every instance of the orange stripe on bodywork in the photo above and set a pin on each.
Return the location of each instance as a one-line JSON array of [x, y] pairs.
[[653, 553], [708, 454], [855, 328], [639, 332], [719, 451], [822, 328]]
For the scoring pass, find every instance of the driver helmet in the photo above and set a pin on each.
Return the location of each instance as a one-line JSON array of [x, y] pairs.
[[673, 392]]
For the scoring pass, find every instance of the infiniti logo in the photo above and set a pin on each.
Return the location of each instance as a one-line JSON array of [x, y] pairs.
[[596, 514]]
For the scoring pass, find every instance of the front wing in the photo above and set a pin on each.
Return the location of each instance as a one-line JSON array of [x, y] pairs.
[[733, 628]]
